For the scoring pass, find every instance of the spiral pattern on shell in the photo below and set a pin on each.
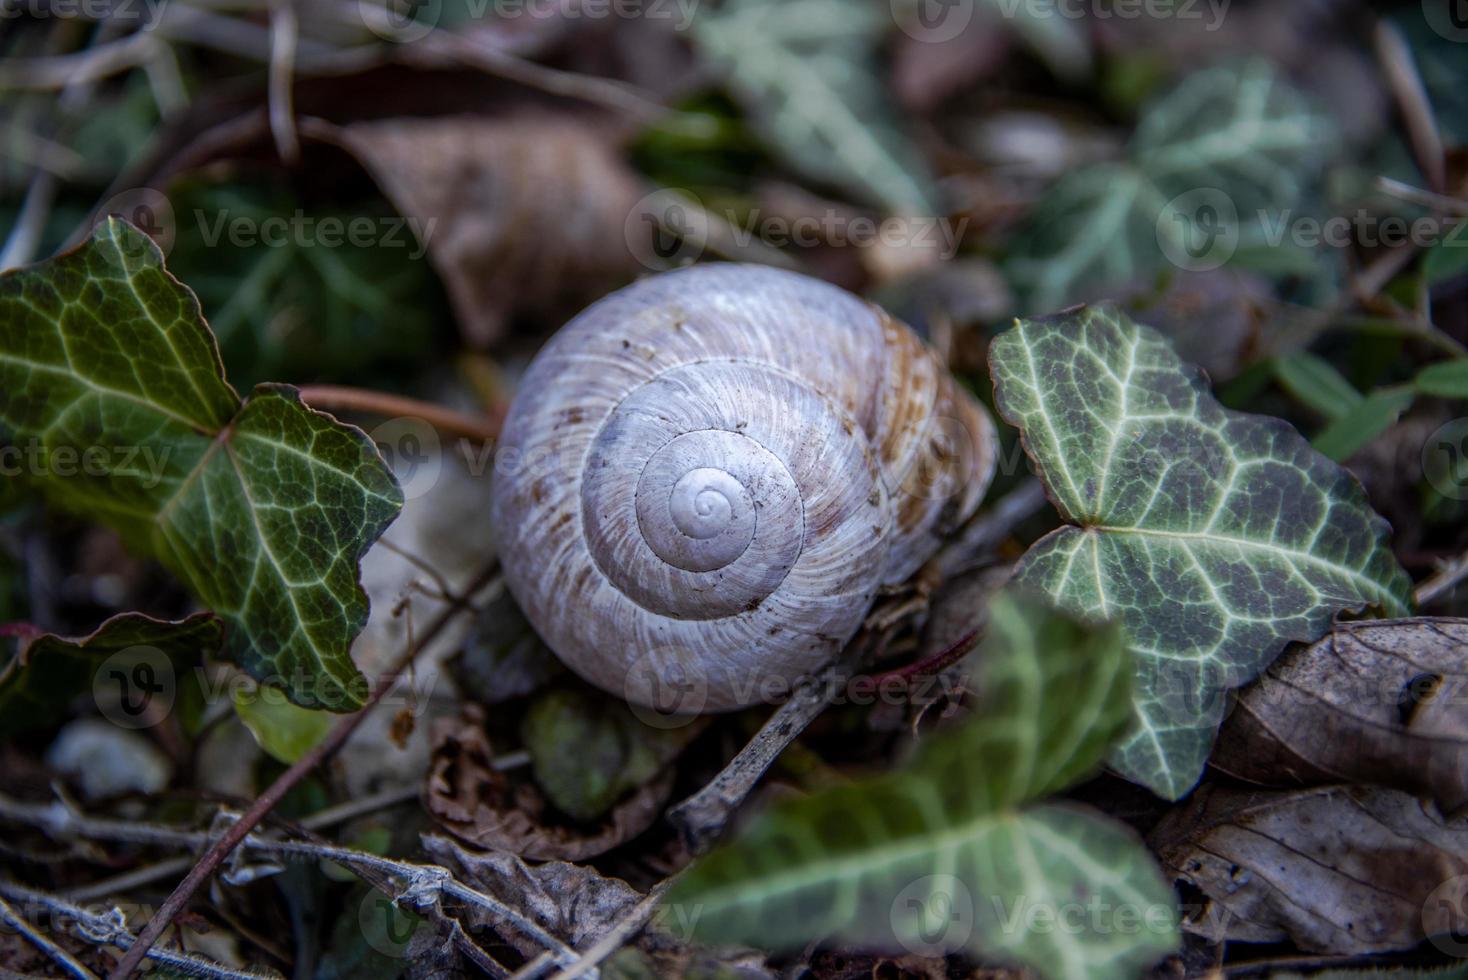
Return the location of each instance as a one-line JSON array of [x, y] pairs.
[[706, 476]]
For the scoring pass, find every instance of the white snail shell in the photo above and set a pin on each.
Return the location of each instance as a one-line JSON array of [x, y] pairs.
[[709, 473]]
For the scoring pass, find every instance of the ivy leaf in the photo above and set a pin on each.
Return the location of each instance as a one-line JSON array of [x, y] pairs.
[[284, 731], [948, 854], [49, 670], [588, 751], [262, 507], [298, 307], [1205, 177], [806, 72], [1214, 536]]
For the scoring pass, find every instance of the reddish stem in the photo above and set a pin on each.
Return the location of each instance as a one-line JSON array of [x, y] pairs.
[[339, 398], [943, 659], [277, 790]]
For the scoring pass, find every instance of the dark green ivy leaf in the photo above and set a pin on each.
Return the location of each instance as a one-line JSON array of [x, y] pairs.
[[263, 507], [807, 72], [1213, 173], [146, 656], [1214, 536], [952, 853]]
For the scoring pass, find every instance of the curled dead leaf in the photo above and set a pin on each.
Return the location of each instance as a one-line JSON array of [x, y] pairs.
[[1344, 870], [482, 806], [1378, 702], [520, 215], [572, 902]]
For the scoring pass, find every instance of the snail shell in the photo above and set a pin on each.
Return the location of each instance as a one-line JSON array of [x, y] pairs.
[[706, 476]]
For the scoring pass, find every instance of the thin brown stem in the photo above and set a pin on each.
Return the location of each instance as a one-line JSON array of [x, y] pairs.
[[277, 790], [345, 399]]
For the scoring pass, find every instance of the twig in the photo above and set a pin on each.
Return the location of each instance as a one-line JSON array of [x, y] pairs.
[[1443, 581], [277, 790], [339, 398], [1405, 83], [421, 884], [20, 246], [79, 68], [1416, 195], [59, 956], [702, 817], [473, 53], [110, 930], [284, 34], [119, 884]]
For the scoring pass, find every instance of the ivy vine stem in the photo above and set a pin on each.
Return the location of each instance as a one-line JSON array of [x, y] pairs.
[[333, 398]]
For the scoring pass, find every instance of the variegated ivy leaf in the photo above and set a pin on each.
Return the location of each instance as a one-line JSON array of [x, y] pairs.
[[952, 853], [1209, 174], [111, 384], [1214, 536], [806, 72]]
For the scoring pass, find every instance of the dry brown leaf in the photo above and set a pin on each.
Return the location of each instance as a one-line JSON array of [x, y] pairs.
[[572, 902], [1344, 870], [481, 806], [1373, 702], [528, 213]]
